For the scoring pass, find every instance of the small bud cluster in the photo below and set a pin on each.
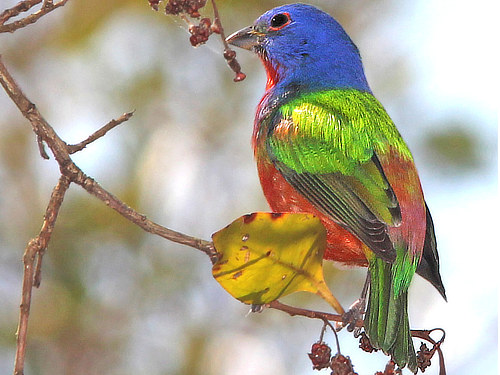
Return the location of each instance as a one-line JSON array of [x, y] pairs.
[[424, 356], [365, 344], [154, 4], [342, 365], [200, 32], [230, 57], [191, 7], [321, 357], [390, 369]]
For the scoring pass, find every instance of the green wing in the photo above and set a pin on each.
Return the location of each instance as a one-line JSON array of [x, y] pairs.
[[325, 144]]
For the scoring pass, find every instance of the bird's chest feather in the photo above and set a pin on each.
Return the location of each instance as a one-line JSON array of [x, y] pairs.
[[342, 246]]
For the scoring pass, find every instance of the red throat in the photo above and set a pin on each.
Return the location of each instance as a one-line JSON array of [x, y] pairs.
[[271, 71]]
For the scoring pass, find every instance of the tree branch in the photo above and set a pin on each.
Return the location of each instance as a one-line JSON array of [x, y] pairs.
[[68, 168], [70, 172], [22, 6], [100, 133], [47, 7], [294, 311], [32, 273]]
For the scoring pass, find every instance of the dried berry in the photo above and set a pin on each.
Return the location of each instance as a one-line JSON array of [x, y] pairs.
[[424, 356], [390, 369], [229, 54], [215, 28], [193, 7], [174, 7], [154, 4], [240, 76], [320, 355], [190, 7], [342, 365], [200, 33], [364, 343]]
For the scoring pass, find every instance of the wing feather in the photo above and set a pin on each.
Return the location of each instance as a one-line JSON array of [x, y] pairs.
[[325, 155]]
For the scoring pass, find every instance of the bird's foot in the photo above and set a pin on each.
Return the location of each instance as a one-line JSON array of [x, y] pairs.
[[352, 316]]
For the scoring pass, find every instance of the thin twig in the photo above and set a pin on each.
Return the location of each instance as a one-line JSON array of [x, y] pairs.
[[49, 222], [32, 273], [218, 22], [229, 54], [68, 168], [293, 311], [22, 6], [94, 188], [70, 172], [100, 133], [41, 148], [48, 6], [426, 335], [327, 323]]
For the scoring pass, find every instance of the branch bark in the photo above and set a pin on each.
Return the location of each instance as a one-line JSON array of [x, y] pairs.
[[24, 6], [68, 168], [70, 173], [32, 271]]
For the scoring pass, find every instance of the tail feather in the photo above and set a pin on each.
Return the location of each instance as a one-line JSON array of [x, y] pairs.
[[386, 318]]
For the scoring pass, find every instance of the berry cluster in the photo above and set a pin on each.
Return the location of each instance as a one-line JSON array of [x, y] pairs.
[[320, 355], [424, 356], [154, 4], [365, 344], [342, 365], [205, 27], [390, 369], [321, 358], [190, 7], [200, 33]]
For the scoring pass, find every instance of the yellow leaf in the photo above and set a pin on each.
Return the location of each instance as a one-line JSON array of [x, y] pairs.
[[264, 256]]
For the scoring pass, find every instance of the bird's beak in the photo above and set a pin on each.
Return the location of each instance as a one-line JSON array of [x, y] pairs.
[[246, 38]]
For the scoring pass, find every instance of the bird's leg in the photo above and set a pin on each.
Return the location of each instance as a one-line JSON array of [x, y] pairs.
[[355, 312]]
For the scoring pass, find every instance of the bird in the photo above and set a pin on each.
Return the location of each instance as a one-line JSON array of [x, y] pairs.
[[325, 145]]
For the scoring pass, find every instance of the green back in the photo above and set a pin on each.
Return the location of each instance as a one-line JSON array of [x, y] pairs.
[[328, 146]]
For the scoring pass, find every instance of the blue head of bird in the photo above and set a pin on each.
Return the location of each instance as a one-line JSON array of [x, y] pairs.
[[303, 49]]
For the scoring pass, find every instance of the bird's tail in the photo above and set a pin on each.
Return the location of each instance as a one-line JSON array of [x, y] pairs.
[[386, 318]]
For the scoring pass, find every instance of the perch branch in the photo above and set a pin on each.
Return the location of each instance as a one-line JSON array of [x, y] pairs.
[[294, 311]]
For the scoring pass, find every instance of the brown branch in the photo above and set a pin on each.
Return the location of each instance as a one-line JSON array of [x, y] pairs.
[[20, 7], [100, 133], [47, 7], [32, 272], [70, 172], [426, 335], [94, 188], [294, 311], [229, 54], [61, 152]]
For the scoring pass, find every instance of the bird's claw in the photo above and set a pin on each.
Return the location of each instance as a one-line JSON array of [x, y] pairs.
[[351, 317]]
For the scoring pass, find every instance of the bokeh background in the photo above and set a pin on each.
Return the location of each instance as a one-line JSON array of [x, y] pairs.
[[115, 300]]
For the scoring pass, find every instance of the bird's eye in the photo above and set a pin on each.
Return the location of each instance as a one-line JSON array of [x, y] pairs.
[[279, 21]]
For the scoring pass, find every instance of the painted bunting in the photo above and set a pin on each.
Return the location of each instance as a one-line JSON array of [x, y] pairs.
[[325, 145]]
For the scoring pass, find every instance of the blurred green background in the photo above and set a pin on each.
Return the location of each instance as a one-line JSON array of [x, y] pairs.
[[115, 300]]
